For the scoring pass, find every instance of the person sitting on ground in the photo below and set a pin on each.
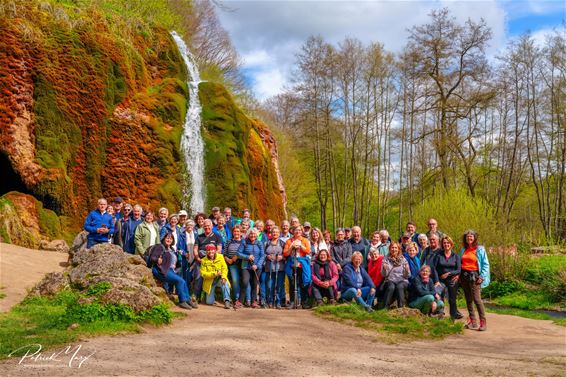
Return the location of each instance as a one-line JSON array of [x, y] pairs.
[[275, 269], [324, 277], [474, 277], [296, 250], [396, 272], [423, 295], [214, 273], [163, 261], [147, 234], [98, 224], [341, 250], [252, 256], [357, 284], [448, 267], [413, 258], [317, 242], [234, 264], [385, 242], [360, 244]]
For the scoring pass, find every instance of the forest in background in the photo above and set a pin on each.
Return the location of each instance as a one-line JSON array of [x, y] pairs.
[[440, 130]]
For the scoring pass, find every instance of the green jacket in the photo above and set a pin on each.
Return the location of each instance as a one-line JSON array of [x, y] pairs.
[[143, 236]]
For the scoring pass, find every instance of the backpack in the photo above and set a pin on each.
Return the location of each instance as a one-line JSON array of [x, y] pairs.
[[147, 255]]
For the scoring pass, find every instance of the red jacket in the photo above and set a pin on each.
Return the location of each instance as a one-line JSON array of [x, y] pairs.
[[374, 270]]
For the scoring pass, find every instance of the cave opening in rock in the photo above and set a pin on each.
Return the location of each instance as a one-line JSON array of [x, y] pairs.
[[10, 180]]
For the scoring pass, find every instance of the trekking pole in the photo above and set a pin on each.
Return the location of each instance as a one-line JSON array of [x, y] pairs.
[[295, 280], [271, 281], [275, 294]]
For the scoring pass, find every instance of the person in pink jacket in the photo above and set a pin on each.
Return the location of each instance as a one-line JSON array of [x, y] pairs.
[[324, 277]]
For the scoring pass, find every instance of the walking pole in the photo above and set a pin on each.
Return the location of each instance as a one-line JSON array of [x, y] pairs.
[[271, 282], [295, 274], [275, 294]]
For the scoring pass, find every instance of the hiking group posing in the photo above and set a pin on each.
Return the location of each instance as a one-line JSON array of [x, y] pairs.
[[257, 264]]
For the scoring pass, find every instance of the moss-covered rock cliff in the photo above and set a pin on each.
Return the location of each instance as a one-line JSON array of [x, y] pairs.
[[93, 104]]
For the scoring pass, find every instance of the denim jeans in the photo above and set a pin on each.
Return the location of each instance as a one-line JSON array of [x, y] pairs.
[[176, 280], [225, 291], [250, 283], [275, 287], [424, 304], [234, 270], [365, 300]]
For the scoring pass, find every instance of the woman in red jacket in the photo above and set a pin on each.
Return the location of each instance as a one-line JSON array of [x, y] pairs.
[[324, 277]]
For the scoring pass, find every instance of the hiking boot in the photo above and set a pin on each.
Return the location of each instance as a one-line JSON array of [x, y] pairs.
[[319, 302], [332, 301], [227, 304], [193, 303], [458, 315], [471, 325], [238, 304], [306, 306], [184, 305], [483, 325], [369, 309], [255, 305], [278, 307]]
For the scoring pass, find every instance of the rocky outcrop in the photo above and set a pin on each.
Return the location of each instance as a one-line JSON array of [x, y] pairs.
[[131, 282], [240, 157]]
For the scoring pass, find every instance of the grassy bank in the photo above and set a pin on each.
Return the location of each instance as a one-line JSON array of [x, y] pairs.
[[66, 317], [395, 326]]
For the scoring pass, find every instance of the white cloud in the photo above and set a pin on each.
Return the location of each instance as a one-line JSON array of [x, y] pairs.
[[268, 34]]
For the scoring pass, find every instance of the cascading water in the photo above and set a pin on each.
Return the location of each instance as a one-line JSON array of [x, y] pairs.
[[192, 145]]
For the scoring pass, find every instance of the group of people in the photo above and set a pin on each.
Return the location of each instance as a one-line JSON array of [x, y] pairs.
[[256, 263]]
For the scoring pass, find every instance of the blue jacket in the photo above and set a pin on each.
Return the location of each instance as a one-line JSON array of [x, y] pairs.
[[95, 220], [181, 240], [414, 265], [483, 264], [256, 249], [228, 234], [305, 263], [349, 278], [128, 233]]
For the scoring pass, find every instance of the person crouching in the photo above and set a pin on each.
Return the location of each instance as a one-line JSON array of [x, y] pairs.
[[214, 272]]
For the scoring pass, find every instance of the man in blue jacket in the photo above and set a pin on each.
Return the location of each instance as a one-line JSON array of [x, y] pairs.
[[99, 224]]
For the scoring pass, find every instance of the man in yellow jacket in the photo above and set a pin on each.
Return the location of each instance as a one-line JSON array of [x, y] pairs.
[[214, 272]]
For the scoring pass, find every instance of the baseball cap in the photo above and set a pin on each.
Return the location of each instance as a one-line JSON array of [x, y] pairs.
[[118, 200], [307, 225], [183, 213]]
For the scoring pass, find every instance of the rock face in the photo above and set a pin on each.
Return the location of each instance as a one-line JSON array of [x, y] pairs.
[[132, 282], [90, 108], [241, 157]]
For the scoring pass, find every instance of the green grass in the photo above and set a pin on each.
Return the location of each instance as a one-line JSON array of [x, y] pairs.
[[46, 321], [395, 326], [527, 314]]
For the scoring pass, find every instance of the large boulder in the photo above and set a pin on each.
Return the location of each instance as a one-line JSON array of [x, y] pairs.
[[55, 245], [132, 283]]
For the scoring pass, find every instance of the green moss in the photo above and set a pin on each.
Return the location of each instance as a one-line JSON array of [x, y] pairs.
[[49, 222]]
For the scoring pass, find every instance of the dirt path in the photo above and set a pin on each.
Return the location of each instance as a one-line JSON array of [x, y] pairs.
[[212, 341], [21, 268]]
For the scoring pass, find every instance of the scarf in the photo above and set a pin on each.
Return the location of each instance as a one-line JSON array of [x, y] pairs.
[[396, 261], [318, 266]]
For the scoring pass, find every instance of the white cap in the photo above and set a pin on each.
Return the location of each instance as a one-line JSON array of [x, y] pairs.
[[183, 213]]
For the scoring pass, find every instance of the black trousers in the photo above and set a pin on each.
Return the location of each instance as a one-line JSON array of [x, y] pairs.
[[320, 292], [397, 289]]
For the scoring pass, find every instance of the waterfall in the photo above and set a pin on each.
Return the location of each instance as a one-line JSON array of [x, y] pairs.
[[192, 145]]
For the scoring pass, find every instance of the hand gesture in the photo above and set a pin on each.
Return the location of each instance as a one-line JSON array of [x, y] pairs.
[[359, 293], [279, 258], [251, 258]]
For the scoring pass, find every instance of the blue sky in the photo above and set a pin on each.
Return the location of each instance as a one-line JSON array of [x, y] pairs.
[[268, 33]]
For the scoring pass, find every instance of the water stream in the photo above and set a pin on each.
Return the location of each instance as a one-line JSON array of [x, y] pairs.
[[192, 145]]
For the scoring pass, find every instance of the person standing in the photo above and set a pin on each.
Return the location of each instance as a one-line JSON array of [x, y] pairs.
[[296, 250], [474, 277], [147, 234], [433, 229], [448, 266], [360, 244], [252, 254], [99, 224], [274, 269], [129, 229], [234, 264], [117, 204]]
